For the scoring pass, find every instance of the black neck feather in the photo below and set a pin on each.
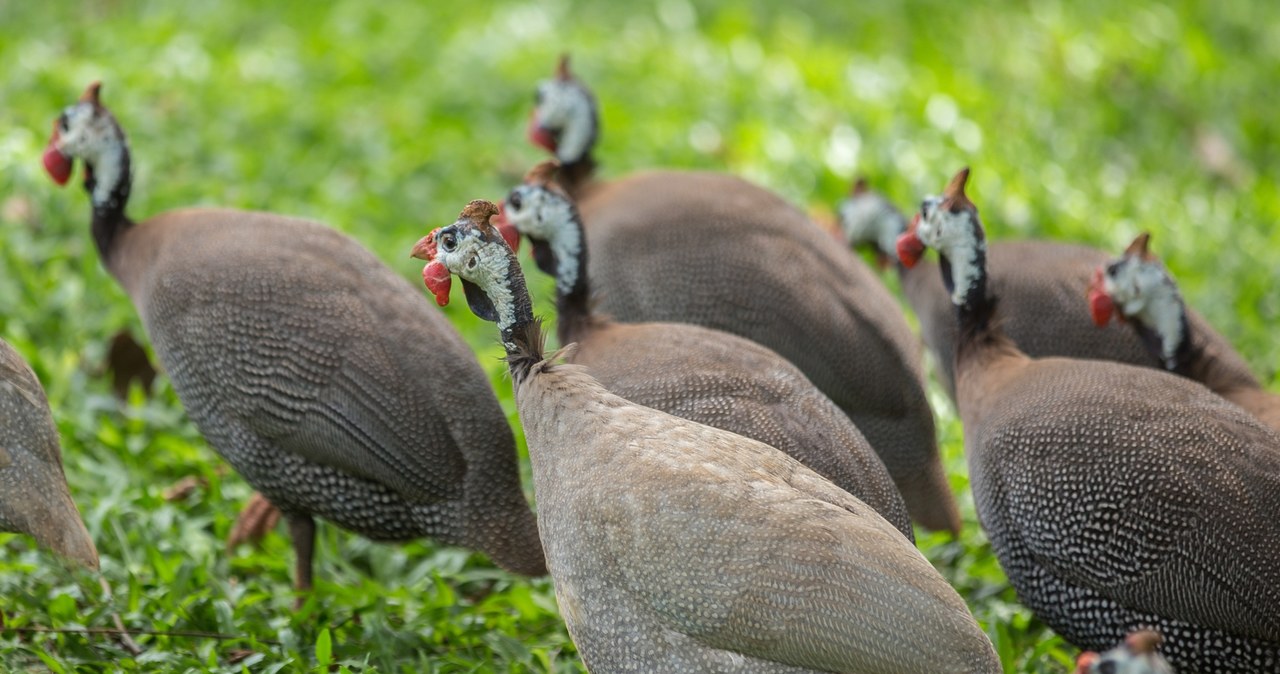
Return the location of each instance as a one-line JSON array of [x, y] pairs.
[[109, 218], [575, 176], [522, 338], [1185, 355]]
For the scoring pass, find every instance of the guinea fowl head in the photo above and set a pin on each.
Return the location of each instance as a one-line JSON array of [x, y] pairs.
[[564, 121], [949, 224], [1137, 655], [88, 131], [1138, 287], [474, 249], [866, 217], [541, 210]]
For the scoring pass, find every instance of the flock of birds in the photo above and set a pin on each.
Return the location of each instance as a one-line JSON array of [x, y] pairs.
[[728, 461]]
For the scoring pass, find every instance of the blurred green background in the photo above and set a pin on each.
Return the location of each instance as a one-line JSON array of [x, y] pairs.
[[1086, 121]]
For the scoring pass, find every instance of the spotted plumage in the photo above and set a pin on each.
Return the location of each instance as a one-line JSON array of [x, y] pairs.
[[696, 373], [1118, 497], [1137, 655], [312, 368], [722, 253], [33, 489], [1143, 292], [1041, 286], [678, 547]]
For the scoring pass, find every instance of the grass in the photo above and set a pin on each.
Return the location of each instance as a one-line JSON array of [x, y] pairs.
[[1085, 121]]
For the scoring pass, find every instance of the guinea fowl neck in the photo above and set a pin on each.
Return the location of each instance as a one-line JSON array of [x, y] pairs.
[[573, 288], [521, 333], [576, 176], [979, 331], [1199, 358], [108, 180]]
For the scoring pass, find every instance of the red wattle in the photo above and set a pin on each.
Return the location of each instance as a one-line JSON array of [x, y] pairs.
[[57, 165], [541, 136], [508, 231], [438, 280], [1101, 306], [910, 249]]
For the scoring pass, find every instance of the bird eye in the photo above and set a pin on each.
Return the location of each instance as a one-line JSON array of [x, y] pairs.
[[1108, 667], [62, 122], [448, 241], [1113, 268], [514, 200]]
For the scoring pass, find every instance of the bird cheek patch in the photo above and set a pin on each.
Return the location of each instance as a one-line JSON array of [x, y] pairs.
[[438, 280], [57, 165], [540, 135], [910, 249], [1101, 308]]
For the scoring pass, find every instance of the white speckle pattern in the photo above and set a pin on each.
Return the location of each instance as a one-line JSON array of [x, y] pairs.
[[1119, 498], [869, 217], [1144, 291], [955, 235], [564, 106]]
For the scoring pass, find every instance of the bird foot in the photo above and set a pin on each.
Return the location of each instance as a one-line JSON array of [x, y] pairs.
[[255, 520]]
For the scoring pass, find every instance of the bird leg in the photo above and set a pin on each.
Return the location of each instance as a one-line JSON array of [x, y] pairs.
[[255, 520], [303, 531]]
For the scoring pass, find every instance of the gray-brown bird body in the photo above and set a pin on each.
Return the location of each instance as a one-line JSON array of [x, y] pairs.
[[696, 373], [1119, 497], [719, 252], [34, 499], [1143, 291], [1116, 497], [316, 372], [1042, 287], [732, 383], [679, 547]]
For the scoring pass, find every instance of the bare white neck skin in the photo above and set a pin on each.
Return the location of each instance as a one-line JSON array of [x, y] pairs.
[[568, 250], [108, 173], [955, 236], [1145, 293], [566, 106], [575, 140], [871, 218], [551, 218]]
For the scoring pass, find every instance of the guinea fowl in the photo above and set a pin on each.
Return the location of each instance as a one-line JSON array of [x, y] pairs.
[[318, 381], [33, 489], [717, 251], [695, 373], [1116, 497], [1140, 288], [1137, 655], [1039, 284], [679, 547]]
